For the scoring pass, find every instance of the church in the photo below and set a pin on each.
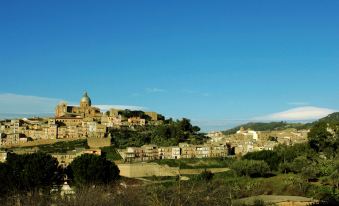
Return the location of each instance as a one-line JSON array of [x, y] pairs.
[[84, 110]]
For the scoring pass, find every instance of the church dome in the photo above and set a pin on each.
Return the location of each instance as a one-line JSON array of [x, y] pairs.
[[85, 99]]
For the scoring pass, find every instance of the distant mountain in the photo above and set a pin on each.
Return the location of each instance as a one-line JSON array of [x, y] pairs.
[[272, 126]]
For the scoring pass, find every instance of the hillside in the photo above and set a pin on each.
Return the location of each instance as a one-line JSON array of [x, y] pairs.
[[334, 117], [271, 126]]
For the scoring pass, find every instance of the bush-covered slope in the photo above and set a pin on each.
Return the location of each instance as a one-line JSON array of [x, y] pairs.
[[271, 126]]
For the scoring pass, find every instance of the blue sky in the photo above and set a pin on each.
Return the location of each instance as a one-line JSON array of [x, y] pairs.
[[218, 63]]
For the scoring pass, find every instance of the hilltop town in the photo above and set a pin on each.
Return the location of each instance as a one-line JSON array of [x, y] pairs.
[[72, 122], [89, 123], [139, 145]]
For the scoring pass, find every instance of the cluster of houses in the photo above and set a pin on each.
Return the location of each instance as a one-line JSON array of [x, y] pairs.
[[219, 145], [70, 122], [182, 151], [247, 140]]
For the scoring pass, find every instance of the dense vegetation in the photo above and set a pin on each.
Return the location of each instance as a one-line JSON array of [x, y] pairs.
[[205, 189], [136, 113], [27, 172], [129, 113], [251, 168], [324, 138], [332, 118], [168, 134], [196, 163], [270, 157], [40, 172], [314, 163]]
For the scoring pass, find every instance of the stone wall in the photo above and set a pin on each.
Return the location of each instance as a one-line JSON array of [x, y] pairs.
[[144, 169]]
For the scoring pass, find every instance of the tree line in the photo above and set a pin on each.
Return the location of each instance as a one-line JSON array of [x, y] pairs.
[[170, 133], [40, 171]]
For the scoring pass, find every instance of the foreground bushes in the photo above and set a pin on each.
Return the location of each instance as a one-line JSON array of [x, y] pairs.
[[40, 171], [252, 168], [29, 171], [270, 157], [219, 191]]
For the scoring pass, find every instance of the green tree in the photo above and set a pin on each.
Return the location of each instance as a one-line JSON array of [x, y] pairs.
[[299, 163], [93, 169], [185, 125], [33, 170], [289, 153], [6, 179], [323, 137]]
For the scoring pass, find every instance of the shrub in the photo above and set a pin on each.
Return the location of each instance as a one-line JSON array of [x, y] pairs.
[[206, 175], [309, 172], [270, 157], [252, 168], [299, 163]]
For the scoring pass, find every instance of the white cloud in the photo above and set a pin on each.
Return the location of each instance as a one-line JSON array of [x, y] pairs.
[[24, 104], [16, 105], [188, 91], [148, 91], [298, 103], [193, 92], [154, 90], [298, 114]]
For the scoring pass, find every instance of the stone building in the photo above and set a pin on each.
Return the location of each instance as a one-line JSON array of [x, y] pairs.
[[182, 151], [165, 152], [84, 110], [65, 159]]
